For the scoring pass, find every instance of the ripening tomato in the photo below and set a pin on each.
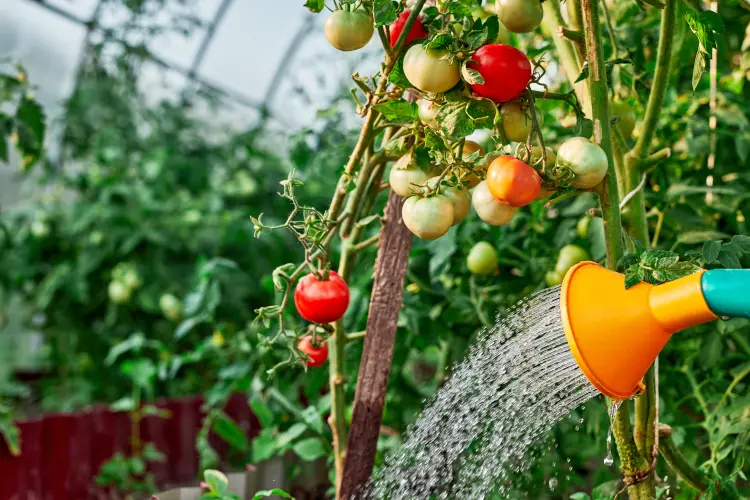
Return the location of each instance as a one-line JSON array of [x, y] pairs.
[[516, 120], [512, 181], [428, 111], [482, 258], [626, 115], [505, 69], [458, 195], [587, 160], [405, 178], [321, 301], [570, 255], [349, 30], [471, 147], [317, 353], [428, 218], [520, 16], [489, 209], [417, 31], [429, 72]]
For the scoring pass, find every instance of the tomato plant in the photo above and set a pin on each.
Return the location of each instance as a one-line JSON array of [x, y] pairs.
[[321, 300], [512, 181]]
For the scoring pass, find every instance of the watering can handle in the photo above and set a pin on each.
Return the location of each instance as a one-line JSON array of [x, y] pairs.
[[727, 292]]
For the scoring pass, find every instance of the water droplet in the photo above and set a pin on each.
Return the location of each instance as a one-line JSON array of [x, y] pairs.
[[608, 460], [580, 420], [552, 483]]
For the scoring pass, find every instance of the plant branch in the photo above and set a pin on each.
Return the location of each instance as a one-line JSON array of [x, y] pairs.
[[677, 461]]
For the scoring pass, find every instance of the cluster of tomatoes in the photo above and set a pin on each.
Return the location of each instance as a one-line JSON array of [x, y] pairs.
[[320, 300]]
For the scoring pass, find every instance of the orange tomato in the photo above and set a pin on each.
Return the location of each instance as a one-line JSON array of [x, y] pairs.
[[512, 181]]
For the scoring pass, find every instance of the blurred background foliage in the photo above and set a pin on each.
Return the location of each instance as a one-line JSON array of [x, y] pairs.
[[148, 200]]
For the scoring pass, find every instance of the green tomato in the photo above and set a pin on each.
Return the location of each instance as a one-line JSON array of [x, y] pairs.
[[170, 306], [428, 218], [131, 279], [427, 71], [585, 159], [519, 16], [489, 209], [626, 114], [40, 229], [570, 255], [118, 292], [458, 195], [428, 111], [516, 120], [349, 30], [482, 258], [192, 216], [553, 278], [405, 178], [582, 228]]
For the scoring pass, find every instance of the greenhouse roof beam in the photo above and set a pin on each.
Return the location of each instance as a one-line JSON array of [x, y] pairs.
[[188, 73]]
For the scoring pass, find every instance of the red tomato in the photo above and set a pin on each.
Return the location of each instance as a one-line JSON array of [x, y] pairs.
[[417, 30], [505, 69], [321, 301], [318, 355], [512, 181]]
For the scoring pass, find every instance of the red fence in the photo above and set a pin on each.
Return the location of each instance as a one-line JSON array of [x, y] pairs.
[[62, 453]]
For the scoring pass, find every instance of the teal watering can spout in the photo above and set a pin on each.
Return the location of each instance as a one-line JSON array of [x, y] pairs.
[[727, 292]]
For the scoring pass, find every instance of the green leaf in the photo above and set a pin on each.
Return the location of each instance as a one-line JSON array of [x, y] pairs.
[[10, 433], [492, 25], [141, 371], [471, 76], [152, 454], [579, 496], [633, 276], [264, 445], [399, 111], [187, 325], [605, 491], [53, 282], [454, 121], [315, 5], [699, 67], [728, 259], [476, 39], [133, 343], [262, 411], [439, 41], [385, 12], [309, 449], [216, 481], [312, 418], [268, 493], [695, 237], [229, 431], [742, 242], [711, 251], [291, 434], [397, 76], [31, 128]]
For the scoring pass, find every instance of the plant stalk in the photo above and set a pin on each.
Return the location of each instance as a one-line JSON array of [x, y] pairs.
[[632, 462]]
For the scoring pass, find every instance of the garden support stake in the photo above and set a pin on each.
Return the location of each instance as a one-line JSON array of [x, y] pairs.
[[377, 353]]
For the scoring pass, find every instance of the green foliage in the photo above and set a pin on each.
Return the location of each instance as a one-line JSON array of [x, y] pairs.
[[653, 266], [22, 120]]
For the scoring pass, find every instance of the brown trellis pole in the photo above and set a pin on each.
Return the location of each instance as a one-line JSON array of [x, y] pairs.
[[372, 383]]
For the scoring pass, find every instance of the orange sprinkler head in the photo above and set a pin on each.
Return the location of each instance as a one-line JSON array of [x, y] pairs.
[[616, 334]]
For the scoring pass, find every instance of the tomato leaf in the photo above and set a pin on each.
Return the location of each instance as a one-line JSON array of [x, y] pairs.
[[10, 432], [460, 8], [439, 41], [30, 126], [216, 481], [229, 431], [385, 12], [269, 493], [729, 259], [454, 121], [315, 5], [398, 111], [492, 25], [397, 76], [742, 242], [471, 76], [711, 251], [309, 449]]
